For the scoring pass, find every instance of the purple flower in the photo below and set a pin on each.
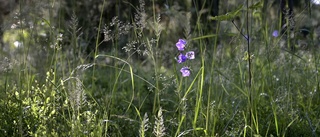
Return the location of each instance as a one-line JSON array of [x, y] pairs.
[[275, 33], [182, 41], [181, 58], [247, 38], [190, 55], [181, 44], [185, 71]]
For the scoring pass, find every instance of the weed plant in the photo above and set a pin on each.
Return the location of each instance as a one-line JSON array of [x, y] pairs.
[[161, 72]]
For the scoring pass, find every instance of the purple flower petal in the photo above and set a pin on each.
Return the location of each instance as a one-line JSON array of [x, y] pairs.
[[190, 55], [181, 58], [247, 38], [275, 33], [181, 44], [185, 71], [183, 41]]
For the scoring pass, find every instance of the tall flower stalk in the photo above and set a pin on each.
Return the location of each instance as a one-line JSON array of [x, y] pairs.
[[181, 44]]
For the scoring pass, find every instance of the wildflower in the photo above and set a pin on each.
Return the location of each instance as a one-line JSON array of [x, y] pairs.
[[181, 44], [181, 58], [185, 71], [247, 38], [190, 55], [275, 33]]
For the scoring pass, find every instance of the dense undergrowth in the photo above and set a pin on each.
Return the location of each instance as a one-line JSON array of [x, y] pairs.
[[61, 76]]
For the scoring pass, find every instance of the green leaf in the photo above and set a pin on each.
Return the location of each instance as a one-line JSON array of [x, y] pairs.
[[227, 16], [258, 5]]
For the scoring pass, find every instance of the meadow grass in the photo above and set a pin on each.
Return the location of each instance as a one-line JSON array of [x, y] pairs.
[[243, 81]]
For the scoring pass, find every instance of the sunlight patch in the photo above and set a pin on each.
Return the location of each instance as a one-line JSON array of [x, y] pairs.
[[317, 2], [17, 44]]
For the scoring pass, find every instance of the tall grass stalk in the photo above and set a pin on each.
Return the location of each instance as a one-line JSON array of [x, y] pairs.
[[97, 44], [155, 58], [250, 94], [210, 114], [199, 91]]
